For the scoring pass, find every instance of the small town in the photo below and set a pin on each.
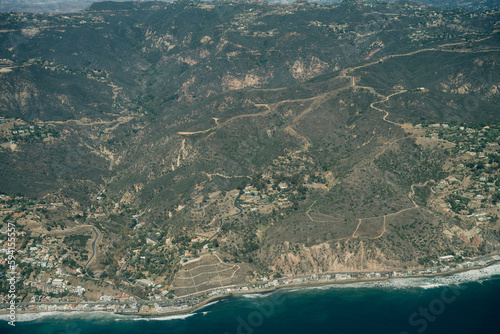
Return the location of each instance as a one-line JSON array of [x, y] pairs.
[[160, 304]]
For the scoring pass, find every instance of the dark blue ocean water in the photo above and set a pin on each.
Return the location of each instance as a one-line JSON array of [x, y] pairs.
[[425, 305]]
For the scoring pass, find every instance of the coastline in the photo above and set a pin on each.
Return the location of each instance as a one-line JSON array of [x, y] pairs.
[[151, 310]]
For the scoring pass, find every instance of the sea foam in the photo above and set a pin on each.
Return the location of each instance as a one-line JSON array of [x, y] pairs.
[[153, 318], [475, 275], [207, 305], [256, 295], [93, 315], [22, 317]]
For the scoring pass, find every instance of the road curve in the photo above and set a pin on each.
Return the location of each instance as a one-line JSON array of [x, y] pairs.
[[94, 242]]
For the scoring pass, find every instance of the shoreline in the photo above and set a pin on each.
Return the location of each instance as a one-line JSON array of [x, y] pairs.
[[152, 310]]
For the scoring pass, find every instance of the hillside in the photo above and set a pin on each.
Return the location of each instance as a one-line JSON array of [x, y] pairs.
[[255, 138]]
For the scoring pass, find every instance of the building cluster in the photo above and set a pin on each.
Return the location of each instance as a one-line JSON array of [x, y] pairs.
[[128, 304], [77, 305], [39, 255], [54, 286], [472, 188]]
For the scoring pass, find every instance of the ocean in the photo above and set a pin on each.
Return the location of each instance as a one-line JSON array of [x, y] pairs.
[[467, 302]]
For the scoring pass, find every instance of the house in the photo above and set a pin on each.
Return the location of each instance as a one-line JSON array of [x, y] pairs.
[[342, 276], [145, 282], [59, 282], [61, 272], [197, 239], [446, 258], [106, 298], [80, 290], [283, 185], [124, 297], [150, 242]]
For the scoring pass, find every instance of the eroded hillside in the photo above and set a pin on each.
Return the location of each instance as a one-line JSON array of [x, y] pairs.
[[213, 143]]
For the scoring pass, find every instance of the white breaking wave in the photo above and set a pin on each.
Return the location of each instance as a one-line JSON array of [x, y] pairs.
[[475, 275], [94, 315], [165, 318], [256, 295], [22, 317], [252, 296], [207, 305]]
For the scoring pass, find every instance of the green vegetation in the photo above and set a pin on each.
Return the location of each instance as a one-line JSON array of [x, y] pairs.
[[278, 137]]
